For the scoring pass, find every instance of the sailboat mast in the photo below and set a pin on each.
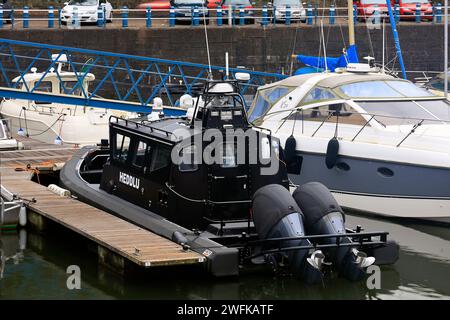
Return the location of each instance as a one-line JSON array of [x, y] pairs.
[[351, 25]]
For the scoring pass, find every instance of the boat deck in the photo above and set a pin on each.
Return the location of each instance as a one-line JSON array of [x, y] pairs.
[[129, 241]]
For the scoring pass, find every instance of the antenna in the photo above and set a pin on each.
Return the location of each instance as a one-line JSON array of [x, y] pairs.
[[207, 42]]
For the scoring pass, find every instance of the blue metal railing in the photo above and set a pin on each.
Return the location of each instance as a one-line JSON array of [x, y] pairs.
[[128, 82]]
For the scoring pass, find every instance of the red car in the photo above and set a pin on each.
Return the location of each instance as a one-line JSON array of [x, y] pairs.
[[156, 4], [165, 4], [366, 8], [408, 9]]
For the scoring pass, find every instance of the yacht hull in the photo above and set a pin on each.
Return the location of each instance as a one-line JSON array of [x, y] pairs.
[[390, 189]]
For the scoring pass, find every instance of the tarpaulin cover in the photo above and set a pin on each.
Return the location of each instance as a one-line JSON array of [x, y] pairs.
[[350, 56]]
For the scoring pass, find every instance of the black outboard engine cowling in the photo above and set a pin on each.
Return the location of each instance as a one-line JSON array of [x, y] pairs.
[[323, 215], [277, 215]]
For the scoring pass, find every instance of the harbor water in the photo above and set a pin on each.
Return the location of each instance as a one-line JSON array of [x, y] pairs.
[[34, 266]]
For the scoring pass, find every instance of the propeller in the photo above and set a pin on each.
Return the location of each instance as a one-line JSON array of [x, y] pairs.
[[362, 259], [317, 260]]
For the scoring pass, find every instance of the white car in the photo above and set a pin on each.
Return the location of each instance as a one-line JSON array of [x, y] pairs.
[[298, 12], [87, 10]]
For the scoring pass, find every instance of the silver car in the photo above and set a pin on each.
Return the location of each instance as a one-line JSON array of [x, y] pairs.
[[298, 12]]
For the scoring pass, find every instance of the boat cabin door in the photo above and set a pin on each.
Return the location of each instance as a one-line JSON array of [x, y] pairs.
[[229, 184]]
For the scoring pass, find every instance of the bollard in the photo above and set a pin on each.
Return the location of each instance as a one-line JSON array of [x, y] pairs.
[[148, 14], [219, 15], [12, 18], [355, 14], [274, 14], [376, 15], [26, 17], [172, 17], [332, 14], [316, 13], [75, 20], [124, 17], [51, 17], [397, 13], [196, 16], [241, 16], [100, 17], [1, 18], [310, 13], [439, 13], [288, 15], [417, 12], [264, 16]]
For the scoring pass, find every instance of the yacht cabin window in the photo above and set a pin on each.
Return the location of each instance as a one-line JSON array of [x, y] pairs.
[[265, 99], [383, 89], [161, 157], [328, 113], [44, 86], [318, 94], [66, 87], [188, 159]]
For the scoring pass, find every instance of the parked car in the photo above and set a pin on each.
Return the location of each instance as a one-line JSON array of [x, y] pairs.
[[157, 4], [298, 12], [236, 4], [183, 9], [87, 10], [366, 8], [7, 9], [408, 9]]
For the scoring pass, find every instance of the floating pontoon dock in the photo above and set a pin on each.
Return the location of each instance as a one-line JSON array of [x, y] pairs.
[[118, 240]]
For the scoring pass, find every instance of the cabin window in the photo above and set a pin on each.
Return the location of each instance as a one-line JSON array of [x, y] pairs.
[[369, 89], [66, 87], [44, 86], [347, 115], [161, 158], [188, 162], [142, 149], [121, 147], [318, 94]]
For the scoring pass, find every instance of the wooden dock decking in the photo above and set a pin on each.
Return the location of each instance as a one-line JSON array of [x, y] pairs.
[[125, 239]]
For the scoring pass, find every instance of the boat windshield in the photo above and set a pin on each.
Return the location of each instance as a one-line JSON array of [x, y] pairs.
[[407, 112], [70, 87], [2, 129], [83, 2], [265, 99], [383, 89]]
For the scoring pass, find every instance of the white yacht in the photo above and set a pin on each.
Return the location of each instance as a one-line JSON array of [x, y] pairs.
[[54, 122], [380, 143]]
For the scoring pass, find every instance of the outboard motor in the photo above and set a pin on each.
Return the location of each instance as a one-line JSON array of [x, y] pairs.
[[323, 215], [277, 215]]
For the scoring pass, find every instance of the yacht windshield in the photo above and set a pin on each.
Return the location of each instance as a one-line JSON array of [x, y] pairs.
[[383, 89], [83, 2], [407, 112], [265, 99]]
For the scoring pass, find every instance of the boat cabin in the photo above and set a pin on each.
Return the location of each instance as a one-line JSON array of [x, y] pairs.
[[193, 171]]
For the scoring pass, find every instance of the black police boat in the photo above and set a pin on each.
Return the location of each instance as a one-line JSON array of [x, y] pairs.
[[226, 198]]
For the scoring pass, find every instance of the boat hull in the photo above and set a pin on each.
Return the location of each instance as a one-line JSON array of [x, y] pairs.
[[390, 189]]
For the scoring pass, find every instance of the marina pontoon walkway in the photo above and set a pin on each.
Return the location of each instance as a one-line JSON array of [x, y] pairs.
[[131, 242]]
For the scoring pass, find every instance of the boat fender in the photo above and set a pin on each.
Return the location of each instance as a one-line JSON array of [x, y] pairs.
[[332, 153], [323, 215], [289, 149], [23, 215], [276, 215], [58, 190]]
